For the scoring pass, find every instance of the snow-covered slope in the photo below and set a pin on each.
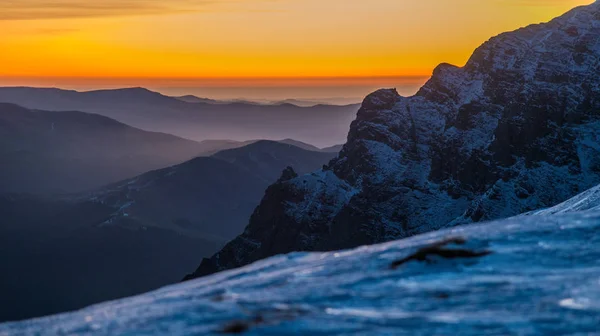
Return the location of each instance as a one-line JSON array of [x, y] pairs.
[[530, 275], [514, 130]]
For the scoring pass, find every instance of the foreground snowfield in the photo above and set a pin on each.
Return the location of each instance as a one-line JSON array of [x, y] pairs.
[[542, 277]]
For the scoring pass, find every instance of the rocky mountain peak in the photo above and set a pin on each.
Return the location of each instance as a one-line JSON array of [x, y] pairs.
[[516, 129], [288, 174]]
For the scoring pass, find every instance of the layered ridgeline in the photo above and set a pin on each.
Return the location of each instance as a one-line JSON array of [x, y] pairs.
[[54, 152], [45, 152], [516, 129], [133, 236], [322, 125], [530, 275]]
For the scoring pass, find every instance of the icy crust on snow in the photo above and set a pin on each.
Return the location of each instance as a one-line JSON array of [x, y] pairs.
[[589, 200], [542, 277], [507, 198]]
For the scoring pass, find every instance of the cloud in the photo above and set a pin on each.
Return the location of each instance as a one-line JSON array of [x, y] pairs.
[[55, 9]]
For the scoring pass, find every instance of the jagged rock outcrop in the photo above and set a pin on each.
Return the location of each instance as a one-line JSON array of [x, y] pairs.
[[516, 129]]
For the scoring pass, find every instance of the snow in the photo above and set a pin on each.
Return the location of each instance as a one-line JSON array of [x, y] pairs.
[[387, 162], [542, 277], [589, 200], [320, 186]]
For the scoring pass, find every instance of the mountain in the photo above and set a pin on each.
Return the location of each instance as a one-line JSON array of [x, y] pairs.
[[133, 236], [45, 152], [300, 144], [64, 152], [214, 146], [299, 102], [514, 130], [322, 101], [296, 102], [530, 275], [211, 147], [333, 149], [323, 125], [194, 99]]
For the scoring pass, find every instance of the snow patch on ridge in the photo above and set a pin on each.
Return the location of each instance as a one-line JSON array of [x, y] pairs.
[[326, 194]]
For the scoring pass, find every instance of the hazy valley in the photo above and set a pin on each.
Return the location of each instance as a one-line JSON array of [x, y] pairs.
[[135, 235]]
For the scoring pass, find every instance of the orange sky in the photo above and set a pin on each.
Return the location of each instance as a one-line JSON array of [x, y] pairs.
[[139, 42]]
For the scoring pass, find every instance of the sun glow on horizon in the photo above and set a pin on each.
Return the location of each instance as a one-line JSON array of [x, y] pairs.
[[349, 41]]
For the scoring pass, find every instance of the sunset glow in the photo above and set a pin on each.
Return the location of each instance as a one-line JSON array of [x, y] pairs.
[[189, 42]]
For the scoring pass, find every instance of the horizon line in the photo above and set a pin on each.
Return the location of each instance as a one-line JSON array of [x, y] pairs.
[[214, 81]]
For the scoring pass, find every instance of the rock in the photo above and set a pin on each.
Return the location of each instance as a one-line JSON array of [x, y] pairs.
[[439, 250], [237, 327], [288, 174]]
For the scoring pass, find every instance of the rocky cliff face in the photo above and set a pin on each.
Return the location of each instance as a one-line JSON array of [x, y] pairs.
[[516, 129]]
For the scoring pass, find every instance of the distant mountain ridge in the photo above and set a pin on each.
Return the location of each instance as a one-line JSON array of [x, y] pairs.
[[322, 125], [516, 129], [194, 99], [297, 102], [57, 152], [220, 145], [64, 152]]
